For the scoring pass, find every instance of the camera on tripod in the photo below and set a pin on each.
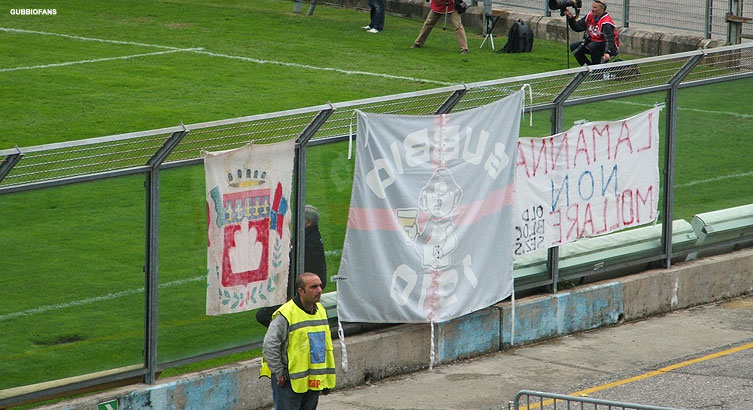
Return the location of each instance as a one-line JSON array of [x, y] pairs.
[[561, 5]]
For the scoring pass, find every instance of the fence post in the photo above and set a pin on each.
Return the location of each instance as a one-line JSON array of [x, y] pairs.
[[9, 162], [299, 176], [451, 101], [709, 15], [553, 253], [626, 13], [669, 156], [735, 20], [151, 267]]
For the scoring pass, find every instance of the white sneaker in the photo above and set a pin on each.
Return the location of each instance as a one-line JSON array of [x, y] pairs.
[[367, 27], [373, 30]]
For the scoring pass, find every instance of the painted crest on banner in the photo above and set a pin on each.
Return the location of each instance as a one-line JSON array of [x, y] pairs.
[[248, 233]]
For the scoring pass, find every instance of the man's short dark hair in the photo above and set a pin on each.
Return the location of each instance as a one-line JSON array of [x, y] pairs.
[[299, 284]]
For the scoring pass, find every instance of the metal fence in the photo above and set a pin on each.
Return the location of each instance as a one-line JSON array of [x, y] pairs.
[[706, 17], [529, 400], [151, 153]]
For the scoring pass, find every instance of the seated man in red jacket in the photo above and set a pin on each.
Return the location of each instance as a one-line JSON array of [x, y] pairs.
[[601, 41]]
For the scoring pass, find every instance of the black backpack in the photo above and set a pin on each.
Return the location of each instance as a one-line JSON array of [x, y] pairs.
[[519, 39]]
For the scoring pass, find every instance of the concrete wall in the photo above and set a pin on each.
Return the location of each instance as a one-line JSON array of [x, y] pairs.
[[406, 348], [632, 41]]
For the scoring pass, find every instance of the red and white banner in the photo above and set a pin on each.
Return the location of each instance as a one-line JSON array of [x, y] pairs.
[[592, 179], [248, 226]]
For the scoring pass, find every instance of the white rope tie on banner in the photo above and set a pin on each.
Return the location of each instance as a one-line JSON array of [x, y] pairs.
[[530, 98], [341, 336], [350, 135], [432, 355], [512, 317]]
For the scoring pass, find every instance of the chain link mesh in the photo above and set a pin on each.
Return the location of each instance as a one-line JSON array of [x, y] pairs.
[[90, 157]]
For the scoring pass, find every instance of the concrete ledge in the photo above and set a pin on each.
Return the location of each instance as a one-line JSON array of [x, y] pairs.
[[386, 352], [406, 348], [543, 317], [468, 336]]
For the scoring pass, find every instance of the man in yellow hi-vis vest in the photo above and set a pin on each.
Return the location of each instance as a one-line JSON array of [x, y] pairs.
[[298, 352]]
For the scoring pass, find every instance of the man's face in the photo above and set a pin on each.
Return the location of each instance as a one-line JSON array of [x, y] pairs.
[[597, 9], [440, 201], [312, 290]]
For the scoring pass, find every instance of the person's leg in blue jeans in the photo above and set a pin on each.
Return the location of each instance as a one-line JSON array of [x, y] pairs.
[[377, 14], [285, 398]]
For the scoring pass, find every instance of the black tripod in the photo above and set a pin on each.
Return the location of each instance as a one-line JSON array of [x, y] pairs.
[[567, 31], [490, 23]]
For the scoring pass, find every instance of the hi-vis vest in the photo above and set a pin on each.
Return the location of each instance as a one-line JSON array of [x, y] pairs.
[[311, 361]]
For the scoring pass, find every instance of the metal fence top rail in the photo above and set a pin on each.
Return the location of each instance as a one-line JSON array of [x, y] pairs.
[[554, 398], [123, 154]]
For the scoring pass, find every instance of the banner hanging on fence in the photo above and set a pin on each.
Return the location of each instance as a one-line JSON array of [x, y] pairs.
[[595, 178], [429, 216], [248, 226]]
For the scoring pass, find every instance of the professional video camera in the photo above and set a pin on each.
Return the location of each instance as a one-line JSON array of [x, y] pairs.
[[561, 5], [583, 46]]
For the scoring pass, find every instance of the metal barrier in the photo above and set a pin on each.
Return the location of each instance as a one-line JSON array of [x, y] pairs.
[[542, 400], [149, 152]]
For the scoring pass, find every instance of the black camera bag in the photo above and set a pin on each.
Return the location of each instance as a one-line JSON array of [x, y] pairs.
[[519, 39]]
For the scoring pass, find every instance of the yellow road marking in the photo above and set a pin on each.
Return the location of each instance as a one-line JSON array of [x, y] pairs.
[[643, 376]]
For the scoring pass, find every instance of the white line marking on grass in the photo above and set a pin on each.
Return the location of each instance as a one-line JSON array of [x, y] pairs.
[[17, 30], [110, 296], [732, 114], [312, 67], [97, 60], [714, 179], [253, 60], [334, 252]]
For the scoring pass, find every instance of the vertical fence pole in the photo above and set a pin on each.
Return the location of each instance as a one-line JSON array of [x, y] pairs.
[[669, 156], [552, 259], [626, 13], [151, 267], [299, 176], [708, 15], [8, 164]]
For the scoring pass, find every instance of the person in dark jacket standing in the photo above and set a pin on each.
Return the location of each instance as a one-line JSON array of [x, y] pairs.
[[313, 261], [601, 41]]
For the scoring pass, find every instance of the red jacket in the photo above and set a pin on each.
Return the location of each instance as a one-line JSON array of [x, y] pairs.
[[594, 28], [442, 6]]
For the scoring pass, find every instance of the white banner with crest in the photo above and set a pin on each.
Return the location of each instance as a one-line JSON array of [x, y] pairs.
[[248, 226]]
